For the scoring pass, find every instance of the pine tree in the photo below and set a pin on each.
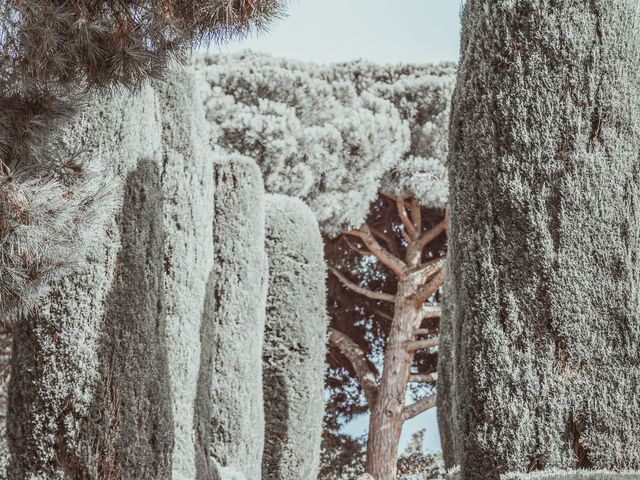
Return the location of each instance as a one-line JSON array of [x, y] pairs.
[[416, 443], [543, 326], [337, 137], [54, 56]]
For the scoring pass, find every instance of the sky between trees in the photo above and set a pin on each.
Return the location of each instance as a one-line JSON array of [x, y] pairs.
[[395, 31]]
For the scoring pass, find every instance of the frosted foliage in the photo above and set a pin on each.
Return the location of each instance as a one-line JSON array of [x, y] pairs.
[[421, 95], [572, 475], [187, 185], [425, 178], [334, 137], [53, 203], [295, 343], [240, 282], [49, 216], [104, 374], [543, 240], [321, 139], [56, 364], [423, 102], [447, 395]]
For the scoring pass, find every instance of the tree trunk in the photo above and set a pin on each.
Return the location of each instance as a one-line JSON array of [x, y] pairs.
[[386, 420], [544, 237]]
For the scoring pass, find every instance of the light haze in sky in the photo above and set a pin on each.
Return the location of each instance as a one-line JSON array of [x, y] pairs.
[[382, 31]]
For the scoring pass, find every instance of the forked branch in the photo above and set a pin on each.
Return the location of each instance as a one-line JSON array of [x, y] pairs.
[[429, 289], [406, 221], [386, 297], [396, 265], [390, 242], [350, 349], [414, 251]]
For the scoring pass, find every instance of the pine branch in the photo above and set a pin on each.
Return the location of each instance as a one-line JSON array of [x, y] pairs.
[[396, 265], [391, 245], [386, 297], [350, 349], [384, 315], [430, 310], [414, 251], [416, 214], [424, 331], [429, 289], [422, 344], [423, 377], [418, 407], [406, 221]]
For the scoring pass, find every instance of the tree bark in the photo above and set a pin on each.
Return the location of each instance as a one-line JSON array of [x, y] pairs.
[[386, 420], [387, 416], [545, 230]]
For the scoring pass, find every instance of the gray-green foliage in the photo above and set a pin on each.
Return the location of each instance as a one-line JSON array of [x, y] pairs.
[[240, 283], [446, 385], [334, 135], [572, 475], [187, 184], [545, 230], [49, 213], [294, 344], [55, 365], [105, 374], [421, 95], [56, 54]]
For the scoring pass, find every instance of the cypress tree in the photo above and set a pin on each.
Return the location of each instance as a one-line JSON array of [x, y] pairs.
[[295, 341], [240, 291], [56, 55], [105, 374], [544, 239]]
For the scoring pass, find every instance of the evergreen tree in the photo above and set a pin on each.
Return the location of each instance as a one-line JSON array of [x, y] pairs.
[[295, 341], [325, 135], [543, 317], [416, 444], [54, 56]]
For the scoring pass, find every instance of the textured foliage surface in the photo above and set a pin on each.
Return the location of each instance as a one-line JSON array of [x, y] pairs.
[[333, 135], [544, 237], [240, 283], [294, 345], [54, 54], [104, 378], [572, 475]]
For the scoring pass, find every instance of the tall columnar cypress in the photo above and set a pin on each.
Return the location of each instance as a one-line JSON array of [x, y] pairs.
[[105, 374], [544, 238], [240, 291], [56, 364], [295, 341]]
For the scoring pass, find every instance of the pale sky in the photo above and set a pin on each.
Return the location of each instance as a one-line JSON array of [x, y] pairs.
[[382, 31]]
